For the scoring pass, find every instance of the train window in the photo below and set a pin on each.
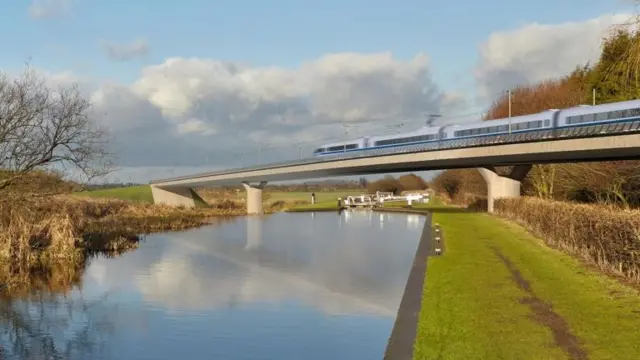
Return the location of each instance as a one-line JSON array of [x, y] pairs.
[[342, 147], [588, 117], [547, 122]]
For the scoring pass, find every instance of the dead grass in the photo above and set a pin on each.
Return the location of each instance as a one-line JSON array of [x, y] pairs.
[[40, 231], [604, 236]]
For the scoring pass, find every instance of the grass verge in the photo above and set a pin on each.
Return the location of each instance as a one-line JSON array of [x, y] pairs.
[[500, 293]]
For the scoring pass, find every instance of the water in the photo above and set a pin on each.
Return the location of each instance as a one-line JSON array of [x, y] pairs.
[[289, 286]]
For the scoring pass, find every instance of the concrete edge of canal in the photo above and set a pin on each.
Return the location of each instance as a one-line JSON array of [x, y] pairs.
[[403, 334]]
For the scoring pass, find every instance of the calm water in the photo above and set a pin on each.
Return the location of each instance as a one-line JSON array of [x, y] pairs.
[[289, 286]]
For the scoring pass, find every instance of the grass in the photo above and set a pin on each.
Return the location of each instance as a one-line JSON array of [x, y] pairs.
[[474, 307], [141, 193]]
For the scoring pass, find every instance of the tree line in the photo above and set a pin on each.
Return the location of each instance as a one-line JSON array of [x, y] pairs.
[[612, 78]]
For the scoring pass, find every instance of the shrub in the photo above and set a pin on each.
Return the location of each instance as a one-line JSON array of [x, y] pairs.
[[602, 235]]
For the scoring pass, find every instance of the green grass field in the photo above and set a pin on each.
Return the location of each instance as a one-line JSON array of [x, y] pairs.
[[500, 293], [133, 193]]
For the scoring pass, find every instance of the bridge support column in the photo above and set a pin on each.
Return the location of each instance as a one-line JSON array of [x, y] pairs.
[[174, 196], [254, 197], [503, 186]]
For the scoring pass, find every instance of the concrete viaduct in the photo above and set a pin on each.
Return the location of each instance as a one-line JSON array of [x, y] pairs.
[[179, 191]]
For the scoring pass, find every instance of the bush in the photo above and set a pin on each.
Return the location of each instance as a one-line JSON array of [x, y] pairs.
[[602, 235], [412, 182], [460, 186], [387, 184]]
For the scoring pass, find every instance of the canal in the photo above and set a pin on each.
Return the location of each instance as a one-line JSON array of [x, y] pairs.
[[287, 286]]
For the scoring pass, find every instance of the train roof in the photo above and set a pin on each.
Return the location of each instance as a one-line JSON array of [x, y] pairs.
[[505, 121], [589, 109]]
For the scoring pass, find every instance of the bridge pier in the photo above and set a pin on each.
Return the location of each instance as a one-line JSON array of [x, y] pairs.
[[174, 196], [503, 186], [254, 197]]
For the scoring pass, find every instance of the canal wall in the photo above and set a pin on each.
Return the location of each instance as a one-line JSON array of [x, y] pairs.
[[403, 335]]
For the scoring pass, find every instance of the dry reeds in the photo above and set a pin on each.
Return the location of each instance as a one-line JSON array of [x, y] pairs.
[[604, 236], [63, 227]]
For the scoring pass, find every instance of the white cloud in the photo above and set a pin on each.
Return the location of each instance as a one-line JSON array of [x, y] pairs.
[[47, 9], [539, 51], [184, 110], [123, 52]]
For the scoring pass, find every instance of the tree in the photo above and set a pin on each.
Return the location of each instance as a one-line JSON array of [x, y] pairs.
[[386, 184], [545, 95], [615, 77], [42, 127], [412, 182]]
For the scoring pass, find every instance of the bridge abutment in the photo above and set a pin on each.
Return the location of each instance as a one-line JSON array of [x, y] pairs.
[[254, 197], [499, 187], [174, 196]]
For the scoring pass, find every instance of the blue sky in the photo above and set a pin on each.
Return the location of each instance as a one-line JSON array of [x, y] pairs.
[[277, 32], [231, 56]]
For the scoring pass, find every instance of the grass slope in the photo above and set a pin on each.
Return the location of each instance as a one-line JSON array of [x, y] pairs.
[[500, 293], [140, 193]]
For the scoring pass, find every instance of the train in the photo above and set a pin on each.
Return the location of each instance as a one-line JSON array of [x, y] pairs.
[[582, 120]]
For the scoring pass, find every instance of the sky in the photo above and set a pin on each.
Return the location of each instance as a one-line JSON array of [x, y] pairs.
[[196, 85]]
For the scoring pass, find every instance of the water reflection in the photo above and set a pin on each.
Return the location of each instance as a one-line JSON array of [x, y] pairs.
[[42, 315], [286, 286]]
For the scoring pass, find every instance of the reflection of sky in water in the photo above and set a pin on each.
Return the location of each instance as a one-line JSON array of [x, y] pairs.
[[311, 286]]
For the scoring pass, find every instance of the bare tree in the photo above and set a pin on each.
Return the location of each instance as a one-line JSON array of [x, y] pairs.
[[42, 127]]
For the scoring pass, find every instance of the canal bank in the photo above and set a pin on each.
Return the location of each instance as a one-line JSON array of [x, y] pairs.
[[403, 334]]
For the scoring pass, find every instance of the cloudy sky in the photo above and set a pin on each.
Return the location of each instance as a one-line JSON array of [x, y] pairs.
[[196, 85]]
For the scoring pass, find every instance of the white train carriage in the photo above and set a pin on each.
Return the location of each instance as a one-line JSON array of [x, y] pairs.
[[519, 124], [592, 120], [338, 148], [423, 137]]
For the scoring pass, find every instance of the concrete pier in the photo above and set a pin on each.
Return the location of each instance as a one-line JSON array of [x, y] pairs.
[[254, 197], [503, 186]]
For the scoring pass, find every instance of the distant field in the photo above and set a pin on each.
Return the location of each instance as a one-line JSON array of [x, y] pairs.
[[134, 193], [143, 193]]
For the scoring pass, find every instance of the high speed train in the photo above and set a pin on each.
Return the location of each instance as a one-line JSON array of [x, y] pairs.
[[571, 122]]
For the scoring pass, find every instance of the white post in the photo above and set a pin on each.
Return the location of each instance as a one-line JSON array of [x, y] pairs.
[[509, 92]]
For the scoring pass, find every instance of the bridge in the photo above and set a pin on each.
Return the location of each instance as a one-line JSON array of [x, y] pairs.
[[518, 150]]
